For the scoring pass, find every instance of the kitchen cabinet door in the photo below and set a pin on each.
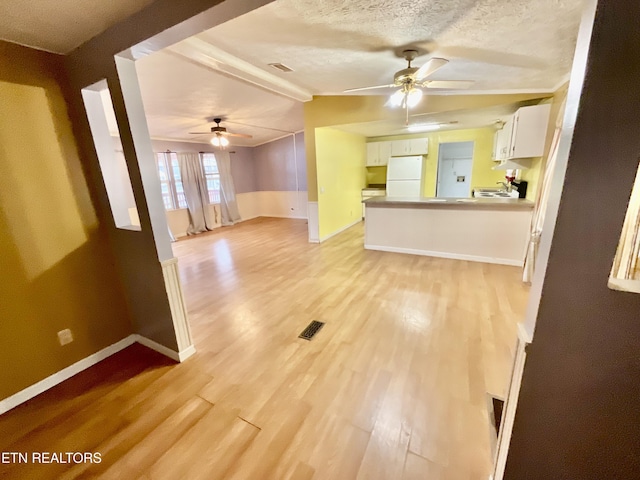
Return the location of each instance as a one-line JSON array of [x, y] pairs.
[[384, 152], [502, 139], [529, 131], [373, 157], [400, 148], [418, 146]]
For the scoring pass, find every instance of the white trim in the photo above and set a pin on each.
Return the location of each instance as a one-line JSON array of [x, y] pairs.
[[523, 334], [314, 222], [167, 352], [68, 372], [510, 406], [346, 227], [624, 285], [64, 374], [288, 134], [283, 216], [454, 256], [177, 303]]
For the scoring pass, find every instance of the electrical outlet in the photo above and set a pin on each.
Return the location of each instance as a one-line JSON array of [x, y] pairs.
[[65, 336]]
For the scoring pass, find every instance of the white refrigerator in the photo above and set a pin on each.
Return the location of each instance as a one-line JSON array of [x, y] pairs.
[[404, 176]]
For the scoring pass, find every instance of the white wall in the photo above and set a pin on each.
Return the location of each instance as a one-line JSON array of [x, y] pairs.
[[250, 205]]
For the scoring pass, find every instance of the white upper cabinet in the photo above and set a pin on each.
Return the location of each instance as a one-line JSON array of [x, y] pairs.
[[378, 153], [529, 131], [524, 134], [372, 154], [384, 152], [415, 146], [419, 146], [501, 142]]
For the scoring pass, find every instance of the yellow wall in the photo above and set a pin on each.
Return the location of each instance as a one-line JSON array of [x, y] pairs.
[[341, 178], [328, 111], [376, 175], [56, 267], [481, 176]]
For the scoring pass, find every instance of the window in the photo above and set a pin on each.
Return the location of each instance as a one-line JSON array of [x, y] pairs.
[[170, 181], [625, 274], [212, 176]]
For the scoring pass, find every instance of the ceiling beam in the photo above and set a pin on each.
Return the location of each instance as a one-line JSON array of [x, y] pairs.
[[216, 59]]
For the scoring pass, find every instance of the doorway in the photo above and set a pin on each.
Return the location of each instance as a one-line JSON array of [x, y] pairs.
[[455, 161]]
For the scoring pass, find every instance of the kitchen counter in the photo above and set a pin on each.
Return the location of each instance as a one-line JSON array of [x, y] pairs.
[[430, 202], [490, 230]]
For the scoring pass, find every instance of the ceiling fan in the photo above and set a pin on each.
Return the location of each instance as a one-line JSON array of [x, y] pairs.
[[411, 80], [220, 134]]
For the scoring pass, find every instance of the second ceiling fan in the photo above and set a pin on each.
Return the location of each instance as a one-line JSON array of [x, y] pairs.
[[220, 134]]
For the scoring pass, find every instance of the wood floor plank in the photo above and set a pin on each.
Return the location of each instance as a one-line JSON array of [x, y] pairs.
[[302, 472], [155, 445], [393, 386]]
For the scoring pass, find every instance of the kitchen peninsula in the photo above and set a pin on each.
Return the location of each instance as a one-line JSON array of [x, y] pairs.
[[490, 230]]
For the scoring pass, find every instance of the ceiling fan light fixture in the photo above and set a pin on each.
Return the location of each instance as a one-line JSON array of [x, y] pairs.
[[413, 97], [219, 141], [397, 98]]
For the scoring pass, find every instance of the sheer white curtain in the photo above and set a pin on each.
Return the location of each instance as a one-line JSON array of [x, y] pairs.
[[195, 192], [228, 205], [541, 201]]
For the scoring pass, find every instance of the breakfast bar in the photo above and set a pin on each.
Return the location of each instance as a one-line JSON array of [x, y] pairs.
[[490, 230]]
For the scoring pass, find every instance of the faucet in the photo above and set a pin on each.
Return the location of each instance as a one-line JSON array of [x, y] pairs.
[[507, 186]]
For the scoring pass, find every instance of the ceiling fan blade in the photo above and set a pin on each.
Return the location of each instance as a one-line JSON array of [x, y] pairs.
[[368, 88], [243, 135], [430, 67], [494, 57], [450, 84]]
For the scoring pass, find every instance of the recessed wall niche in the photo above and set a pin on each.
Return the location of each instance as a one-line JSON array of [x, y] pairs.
[[106, 136], [625, 274]]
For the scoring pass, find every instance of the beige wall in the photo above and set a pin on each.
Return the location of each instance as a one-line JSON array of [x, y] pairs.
[[57, 269]]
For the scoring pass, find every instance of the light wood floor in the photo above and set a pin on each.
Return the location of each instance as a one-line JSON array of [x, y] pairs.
[[393, 387]]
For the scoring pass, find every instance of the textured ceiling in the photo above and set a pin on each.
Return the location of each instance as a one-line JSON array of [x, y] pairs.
[[60, 26], [332, 45], [450, 120], [181, 96]]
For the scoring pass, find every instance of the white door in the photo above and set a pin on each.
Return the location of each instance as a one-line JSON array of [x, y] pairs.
[[455, 161]]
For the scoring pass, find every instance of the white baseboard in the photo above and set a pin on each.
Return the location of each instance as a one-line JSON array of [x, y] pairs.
[[346, 227], [314, 222], [284, 216], [167, 352], [64, 374], [453, 256], [68, 372]]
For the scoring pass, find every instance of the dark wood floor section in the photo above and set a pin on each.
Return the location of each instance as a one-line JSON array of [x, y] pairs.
[[393, 387]]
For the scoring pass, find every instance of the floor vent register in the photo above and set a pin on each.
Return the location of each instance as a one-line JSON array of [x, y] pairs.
[[313, 328]]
